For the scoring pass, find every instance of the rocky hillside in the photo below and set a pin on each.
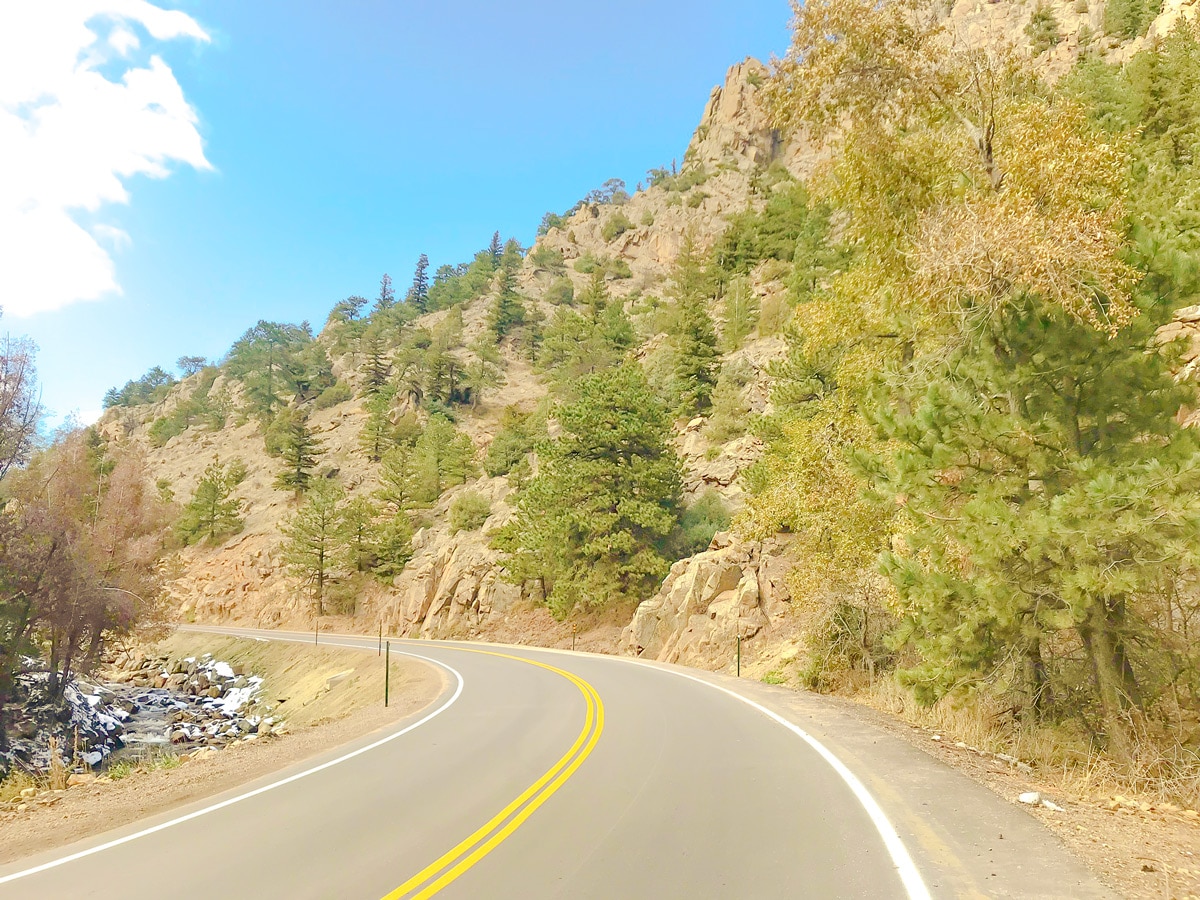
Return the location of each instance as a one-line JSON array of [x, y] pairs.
[[453, 585]]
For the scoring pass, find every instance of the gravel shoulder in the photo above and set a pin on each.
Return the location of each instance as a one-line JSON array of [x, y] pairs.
[[1140, 848], [318, 726]]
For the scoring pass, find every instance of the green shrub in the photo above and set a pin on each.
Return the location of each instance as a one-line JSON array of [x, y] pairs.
[[617, 225], [469, 511], [1042, 30], [699, 522], [561, 292], [338, 392], [164, 428], [694, 200], [647, 218], [547, 258]]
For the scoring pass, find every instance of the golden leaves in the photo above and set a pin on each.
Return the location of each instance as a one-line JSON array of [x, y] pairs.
[[1055, 227]]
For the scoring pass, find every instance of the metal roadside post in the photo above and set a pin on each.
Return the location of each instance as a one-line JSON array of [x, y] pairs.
[[573, 630], [316, 631], [387, 674], [739, 652], [380, 653]]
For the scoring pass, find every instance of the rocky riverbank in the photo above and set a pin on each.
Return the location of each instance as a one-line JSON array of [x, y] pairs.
[[140, 704]]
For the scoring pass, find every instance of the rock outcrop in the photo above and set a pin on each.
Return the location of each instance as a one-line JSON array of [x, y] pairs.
[[734, 587]]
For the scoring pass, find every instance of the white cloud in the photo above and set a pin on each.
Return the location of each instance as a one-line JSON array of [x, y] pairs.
[[72, 132]]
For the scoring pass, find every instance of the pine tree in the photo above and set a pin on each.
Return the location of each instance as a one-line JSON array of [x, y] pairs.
[[741, 314], [314, 540], [418, 294], [696, 357], [387, 295], [213, 511], [190, 365], [397, 478], [392, 546], [508, 310], [495, 250], [377, 364], [300, 450], [1046, 496], [442, 457], [589, 527], [378, 433], [695, 340], [358, 533]]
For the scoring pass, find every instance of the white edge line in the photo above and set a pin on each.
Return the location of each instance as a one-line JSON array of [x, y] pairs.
[[909, 874], [254, 793], [907, 869]]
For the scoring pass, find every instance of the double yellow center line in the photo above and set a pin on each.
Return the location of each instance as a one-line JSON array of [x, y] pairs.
[[468, 852]]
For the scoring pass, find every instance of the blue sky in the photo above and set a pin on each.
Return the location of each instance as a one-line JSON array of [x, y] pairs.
[[343, 140]]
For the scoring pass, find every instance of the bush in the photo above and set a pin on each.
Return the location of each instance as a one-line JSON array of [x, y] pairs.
[[469, 511], [339, 392], [699, 522], [547, 258], [1042, 30], [694, 200], [561, 292], [164, 428], [647, 218], [616, 226]]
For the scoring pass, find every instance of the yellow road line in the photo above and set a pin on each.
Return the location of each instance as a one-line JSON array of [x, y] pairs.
[[485, 839]]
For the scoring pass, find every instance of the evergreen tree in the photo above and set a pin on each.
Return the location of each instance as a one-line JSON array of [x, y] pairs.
[[418, 294], [695, 340], [190, 365], [741, 314], [378, 433], [300, 450], [589, 527], [348, 310], [358, 533], [508, 310], [377, 362], [392, 546], [213, 511], [387, 295], [397, 478], [1046, 496], [442, 457], [696, 357], [495, 250], [313, 547]]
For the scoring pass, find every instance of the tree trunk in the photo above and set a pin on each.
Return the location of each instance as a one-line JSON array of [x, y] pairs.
[[1041, 693], [1101, 645]]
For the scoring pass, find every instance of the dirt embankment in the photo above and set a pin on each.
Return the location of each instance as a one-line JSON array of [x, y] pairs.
[[296, 680]]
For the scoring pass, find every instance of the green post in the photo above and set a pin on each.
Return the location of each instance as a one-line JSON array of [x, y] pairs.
[[387, 674], [739, 654]]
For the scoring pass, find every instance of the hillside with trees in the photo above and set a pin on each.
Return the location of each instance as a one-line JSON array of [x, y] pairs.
[[889, 378]]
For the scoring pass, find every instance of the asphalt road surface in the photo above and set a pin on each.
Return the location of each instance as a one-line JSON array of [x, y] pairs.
[[550, 774]]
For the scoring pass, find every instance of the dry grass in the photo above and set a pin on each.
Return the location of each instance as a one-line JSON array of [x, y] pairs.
[[17, 781], [1163, 771]]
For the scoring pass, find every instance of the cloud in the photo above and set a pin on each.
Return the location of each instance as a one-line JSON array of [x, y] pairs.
[[84, 106]]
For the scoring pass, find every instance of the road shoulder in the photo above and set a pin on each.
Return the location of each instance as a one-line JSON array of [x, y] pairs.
[[86, 811]]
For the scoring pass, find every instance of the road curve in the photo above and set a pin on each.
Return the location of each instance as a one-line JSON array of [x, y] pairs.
[[550, 774]]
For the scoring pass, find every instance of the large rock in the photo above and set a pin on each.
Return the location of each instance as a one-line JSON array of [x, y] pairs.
[[451, 587], [734, 587]]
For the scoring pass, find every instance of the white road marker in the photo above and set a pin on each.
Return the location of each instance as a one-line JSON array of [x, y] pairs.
[[254, 793]]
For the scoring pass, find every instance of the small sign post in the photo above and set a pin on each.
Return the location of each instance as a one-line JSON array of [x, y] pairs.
[[387, 674]]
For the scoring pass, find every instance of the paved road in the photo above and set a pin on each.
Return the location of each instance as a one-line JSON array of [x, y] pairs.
[[546, 774]]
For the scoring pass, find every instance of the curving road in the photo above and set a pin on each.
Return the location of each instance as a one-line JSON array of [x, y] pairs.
[[551, 774]]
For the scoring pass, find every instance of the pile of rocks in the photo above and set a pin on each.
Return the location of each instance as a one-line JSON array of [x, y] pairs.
[[203, 702]]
